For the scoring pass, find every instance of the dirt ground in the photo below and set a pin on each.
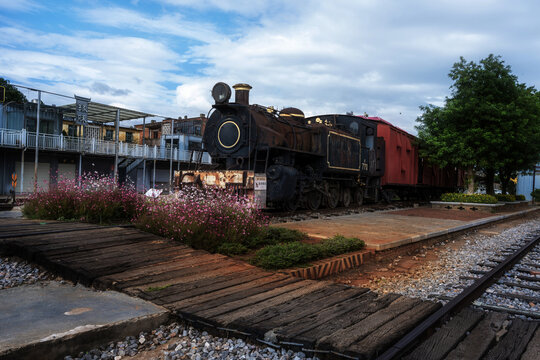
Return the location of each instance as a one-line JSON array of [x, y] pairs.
[[411, 261]]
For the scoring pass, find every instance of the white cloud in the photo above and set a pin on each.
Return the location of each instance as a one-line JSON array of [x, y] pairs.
[[20, 5], [381, 57], [171, 24]]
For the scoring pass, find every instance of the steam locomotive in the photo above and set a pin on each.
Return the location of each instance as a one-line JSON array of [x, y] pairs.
[[284, 159]]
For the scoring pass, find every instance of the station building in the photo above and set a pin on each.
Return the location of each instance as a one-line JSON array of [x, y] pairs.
[[68, 149]]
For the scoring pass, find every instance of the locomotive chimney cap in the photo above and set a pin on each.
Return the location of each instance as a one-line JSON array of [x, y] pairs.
[[246, 87]]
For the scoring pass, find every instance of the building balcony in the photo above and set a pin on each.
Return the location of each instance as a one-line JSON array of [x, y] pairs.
[[25, 139]]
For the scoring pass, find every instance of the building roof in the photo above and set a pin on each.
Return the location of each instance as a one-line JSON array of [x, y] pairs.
[[106, 113]]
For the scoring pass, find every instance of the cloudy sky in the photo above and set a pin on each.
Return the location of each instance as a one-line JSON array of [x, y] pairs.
[[382, 57]]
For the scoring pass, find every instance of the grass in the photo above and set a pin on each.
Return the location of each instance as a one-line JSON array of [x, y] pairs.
[[158, 288]]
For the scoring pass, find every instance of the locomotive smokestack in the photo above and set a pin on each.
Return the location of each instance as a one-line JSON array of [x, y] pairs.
[[241, 95]]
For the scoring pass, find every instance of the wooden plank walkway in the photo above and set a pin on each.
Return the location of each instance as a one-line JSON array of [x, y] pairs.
[[216, 291]]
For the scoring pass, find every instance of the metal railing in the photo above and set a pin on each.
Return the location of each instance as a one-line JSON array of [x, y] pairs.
[[22, 138]]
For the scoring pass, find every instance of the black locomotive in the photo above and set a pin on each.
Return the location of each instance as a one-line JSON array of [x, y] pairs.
[[308, 162]]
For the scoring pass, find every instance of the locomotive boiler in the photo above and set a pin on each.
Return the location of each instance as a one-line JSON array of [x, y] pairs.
[[286, 160]]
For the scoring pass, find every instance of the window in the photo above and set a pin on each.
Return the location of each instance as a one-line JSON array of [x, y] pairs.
[[108, 134], [129, 137], [72, 130]]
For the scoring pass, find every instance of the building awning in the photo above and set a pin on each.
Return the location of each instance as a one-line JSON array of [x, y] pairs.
[[105, 113]]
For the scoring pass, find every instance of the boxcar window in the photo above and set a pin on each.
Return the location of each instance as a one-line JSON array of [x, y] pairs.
[[370, 141]]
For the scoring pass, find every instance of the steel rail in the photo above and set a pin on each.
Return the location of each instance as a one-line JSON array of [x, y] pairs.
[[466, 297]]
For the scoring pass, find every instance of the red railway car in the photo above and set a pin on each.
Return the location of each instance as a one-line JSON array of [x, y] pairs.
[[406, 174]]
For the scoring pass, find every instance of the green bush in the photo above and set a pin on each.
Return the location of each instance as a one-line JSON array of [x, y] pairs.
[[295, 253], [282, 256], [469, 198], [339, 245], [536, 195], [231, 249], [274, 235], [505, 197], [520, 197]]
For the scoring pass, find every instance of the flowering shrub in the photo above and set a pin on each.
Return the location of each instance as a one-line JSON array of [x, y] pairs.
[[203, 219], [96, 199]]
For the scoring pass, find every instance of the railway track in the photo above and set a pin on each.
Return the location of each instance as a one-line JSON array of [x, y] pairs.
[[494, 283], [303, 214]]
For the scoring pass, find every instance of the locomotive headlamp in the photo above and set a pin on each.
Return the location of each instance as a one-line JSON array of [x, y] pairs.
[[221, 93]]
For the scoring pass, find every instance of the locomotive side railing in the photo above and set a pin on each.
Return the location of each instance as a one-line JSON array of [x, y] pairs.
[[27, 139]]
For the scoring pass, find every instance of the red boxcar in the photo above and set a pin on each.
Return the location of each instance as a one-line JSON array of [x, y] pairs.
[[405, 172]]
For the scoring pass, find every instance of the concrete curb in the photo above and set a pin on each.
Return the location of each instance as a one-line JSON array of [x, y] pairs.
[[78, 340]]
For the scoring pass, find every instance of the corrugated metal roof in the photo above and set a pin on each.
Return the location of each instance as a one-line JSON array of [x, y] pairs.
[[106, 113]]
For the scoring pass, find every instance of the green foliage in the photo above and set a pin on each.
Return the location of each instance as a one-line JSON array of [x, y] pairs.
[[520, 197], [231, 249], [295, 253], [469, 198], [12, 93], [490, 122], [536, 195], [283, 256], [339, 245], [505, 197], [158, 288], [274, 235]]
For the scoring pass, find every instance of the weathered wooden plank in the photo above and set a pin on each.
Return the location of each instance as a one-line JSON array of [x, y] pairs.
[[379, 340], [179, 292], [37, 239], [477, 343], [222, 297], [227, 318], [299, 330], [342, 339], [533, 348], [282, 293], [514, 343], [186, 267], [342, 322], [111, 251], [84, 239], [171, 268], [280, 315], [447, 337]]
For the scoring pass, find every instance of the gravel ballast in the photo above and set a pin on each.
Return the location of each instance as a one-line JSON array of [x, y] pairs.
[[176, 341], [16, 272], [450, 273]]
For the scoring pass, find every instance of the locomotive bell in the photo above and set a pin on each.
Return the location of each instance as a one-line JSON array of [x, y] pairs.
[[241, 93]]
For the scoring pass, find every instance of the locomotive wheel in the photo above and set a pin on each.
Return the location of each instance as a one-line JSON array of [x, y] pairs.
[[359, 196], [346, 197], [291, 204], [313, 200], [333, 199]]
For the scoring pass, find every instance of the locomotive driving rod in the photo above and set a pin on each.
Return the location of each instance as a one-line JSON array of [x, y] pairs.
[[463, 299]]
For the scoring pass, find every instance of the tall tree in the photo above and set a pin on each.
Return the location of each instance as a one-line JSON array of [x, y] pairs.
[[491, 122], [12, 93]]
